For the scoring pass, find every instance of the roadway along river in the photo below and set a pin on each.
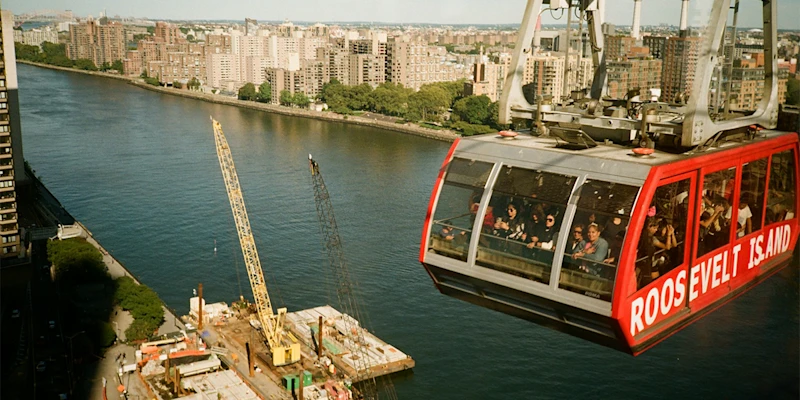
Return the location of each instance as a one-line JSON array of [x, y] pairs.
[[140, 170]]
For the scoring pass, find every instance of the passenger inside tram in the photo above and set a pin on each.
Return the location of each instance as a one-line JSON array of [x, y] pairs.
[[616, 248], [544, 235], [646, 261], [781, 196], [714, 227], [510, 225], [594, 251]]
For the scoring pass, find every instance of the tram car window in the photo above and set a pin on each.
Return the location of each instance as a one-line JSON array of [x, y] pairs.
[[781, 197], [603, 213], [750, 211], [458, 207], [714, 209], [528, 210], [662, 246]]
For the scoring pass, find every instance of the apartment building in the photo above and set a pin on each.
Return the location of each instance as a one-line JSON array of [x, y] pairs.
[[101, 41], [623, 47], [656, 44], [35, 37], [413, 64], [12, 165], [747, 83], [366, 68], [631, 74], [680, 62], [544, 74]]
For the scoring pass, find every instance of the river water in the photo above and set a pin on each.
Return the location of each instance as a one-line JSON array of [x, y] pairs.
[[140, 170]]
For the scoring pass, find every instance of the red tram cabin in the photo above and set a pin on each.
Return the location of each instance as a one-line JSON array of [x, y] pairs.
[[619, 249]]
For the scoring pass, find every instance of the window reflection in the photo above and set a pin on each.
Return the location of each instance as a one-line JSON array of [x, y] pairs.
[[527, 207], [598, 232], [457, 207], [781, 197], [662, 244], [715, 211], [751, 197]]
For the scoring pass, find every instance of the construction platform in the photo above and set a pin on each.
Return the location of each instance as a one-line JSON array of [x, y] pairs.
[[381, 357], [229, 329]]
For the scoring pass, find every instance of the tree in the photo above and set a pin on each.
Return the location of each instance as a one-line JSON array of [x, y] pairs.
[[358, 96], [427, 104], [143, 304], [193, 84], [300, 99], [454, 90], [117, 66], [85, 64], [264, 93], [793, 91], [286, 98], [468, 129], [247, 92], [27, 52], [76, 260], [177, 85], [389, 99], [152, 81], [472, 109], [333, 93]]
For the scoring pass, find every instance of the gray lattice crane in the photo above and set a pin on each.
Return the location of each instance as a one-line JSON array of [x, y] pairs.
[[345, 286]]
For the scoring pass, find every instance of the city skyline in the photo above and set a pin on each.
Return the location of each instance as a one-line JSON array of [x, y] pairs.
[[498, 12]]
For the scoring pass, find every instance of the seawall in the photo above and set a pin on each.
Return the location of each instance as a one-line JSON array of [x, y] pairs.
[[409, 128]]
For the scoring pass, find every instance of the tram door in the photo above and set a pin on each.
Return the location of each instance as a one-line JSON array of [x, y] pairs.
[[663, 252]]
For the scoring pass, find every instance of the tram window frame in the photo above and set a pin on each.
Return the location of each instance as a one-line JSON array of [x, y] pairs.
[[756, 207], [518, 255], [792, 168], [584, 275], [702, 242], [685, 181], [474, 185]]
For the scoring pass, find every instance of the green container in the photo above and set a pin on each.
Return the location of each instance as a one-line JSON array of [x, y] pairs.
[[307, 379], [291, 381]]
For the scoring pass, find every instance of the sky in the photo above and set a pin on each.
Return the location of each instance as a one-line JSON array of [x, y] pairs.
[[618, 12]]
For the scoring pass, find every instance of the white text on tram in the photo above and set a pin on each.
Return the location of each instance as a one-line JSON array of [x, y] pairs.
[[659, 301]]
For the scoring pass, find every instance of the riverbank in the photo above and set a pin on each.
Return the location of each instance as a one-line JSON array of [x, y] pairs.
[[407, 127]]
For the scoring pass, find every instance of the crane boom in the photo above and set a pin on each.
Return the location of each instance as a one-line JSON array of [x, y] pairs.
[[283, 351], [345, 290]]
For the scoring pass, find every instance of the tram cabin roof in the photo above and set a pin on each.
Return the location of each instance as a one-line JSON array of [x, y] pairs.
[[604, 159]]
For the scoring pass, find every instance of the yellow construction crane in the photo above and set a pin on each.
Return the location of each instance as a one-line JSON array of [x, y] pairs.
[[284, 347]]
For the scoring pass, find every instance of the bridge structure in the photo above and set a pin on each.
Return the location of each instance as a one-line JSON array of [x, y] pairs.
[[44, 16]]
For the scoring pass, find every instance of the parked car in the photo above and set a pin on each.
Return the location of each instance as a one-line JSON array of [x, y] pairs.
[[40, 366], [15, 313], [52, 324]]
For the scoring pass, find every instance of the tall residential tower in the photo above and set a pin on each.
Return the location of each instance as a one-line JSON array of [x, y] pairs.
[[12, 165]]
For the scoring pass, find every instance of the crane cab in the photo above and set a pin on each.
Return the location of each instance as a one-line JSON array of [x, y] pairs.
[[604, 244]]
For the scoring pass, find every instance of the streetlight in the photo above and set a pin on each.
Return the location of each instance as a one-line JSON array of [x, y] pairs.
[[71, 360]]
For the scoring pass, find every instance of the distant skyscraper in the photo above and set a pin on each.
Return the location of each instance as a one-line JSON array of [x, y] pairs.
[[250, 26], [609, 29], [680, 62], [12, 165]]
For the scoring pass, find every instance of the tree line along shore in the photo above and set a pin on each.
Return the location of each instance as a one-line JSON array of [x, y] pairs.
[[438, 110]]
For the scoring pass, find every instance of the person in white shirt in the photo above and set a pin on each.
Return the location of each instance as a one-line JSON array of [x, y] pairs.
[[744, 220]]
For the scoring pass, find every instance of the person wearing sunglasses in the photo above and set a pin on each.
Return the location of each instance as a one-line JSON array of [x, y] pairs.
[[575, 243], [544, 236]]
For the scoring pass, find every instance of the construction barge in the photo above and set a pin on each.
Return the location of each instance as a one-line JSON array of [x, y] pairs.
[[335, 365]]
